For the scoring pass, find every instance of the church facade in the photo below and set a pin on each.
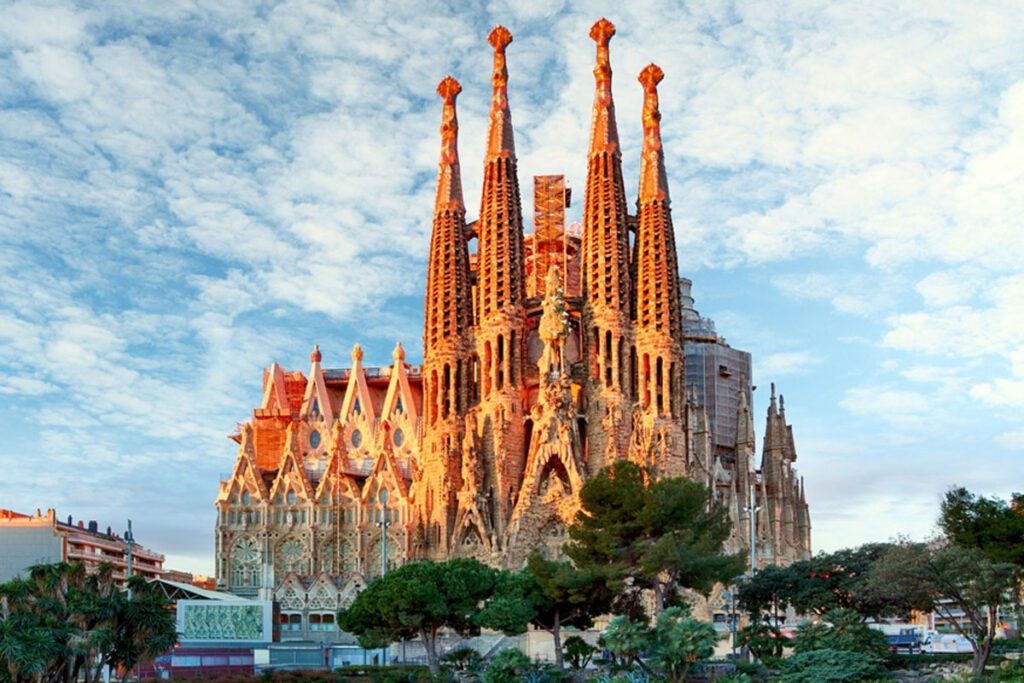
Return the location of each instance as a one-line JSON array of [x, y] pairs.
[[546, 357]]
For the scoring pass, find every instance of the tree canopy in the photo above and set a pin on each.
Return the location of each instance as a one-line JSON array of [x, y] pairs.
[[992, 525], [417, 600], [961, 583], [660, 534], [550, 595], [62, 623]]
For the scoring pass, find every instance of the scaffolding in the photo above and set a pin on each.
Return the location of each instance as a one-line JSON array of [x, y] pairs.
[[549, 245]]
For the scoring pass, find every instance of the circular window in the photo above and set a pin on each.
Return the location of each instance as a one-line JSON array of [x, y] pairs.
[[357, 438], [398, 437], [314, 440]]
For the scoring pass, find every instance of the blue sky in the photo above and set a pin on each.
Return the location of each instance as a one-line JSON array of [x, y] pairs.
[[190, 191]]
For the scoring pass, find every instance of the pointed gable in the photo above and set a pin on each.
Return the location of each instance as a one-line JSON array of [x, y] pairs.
[[275, 393], [291, 475], [316, 400], [400, 402], [385, 474], [358, 399]]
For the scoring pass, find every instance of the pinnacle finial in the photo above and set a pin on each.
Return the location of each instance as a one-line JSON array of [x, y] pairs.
[[448, 89], [499, 139], [650, 77], [653, 179], [316, 356], [602, 31], [399, 353], [357, 354], [499, 38], [449, 180]]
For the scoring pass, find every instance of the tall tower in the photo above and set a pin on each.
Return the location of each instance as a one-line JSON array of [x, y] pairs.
[[606, 278], [500, 314], [658, 327], [447, 346]]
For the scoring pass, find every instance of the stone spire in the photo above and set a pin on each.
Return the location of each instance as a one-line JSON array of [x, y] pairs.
[[658, 303], [449, 175], [605, 265], [500, 316], [500, 227], [500, 142], [448, 310], [658, 326], [448, 316]]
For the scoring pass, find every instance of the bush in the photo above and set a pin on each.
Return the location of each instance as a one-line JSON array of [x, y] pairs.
[[578, 652], [832, 666], [508, 666], [841, 629], [464, 658], [763, 640]]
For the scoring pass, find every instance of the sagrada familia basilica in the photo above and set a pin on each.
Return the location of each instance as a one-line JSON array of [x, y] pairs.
[[546, 357]]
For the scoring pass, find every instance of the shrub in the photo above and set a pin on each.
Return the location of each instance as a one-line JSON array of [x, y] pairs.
[[841, 629], [763, 640], [832, 666], [578, 652], [464, 658], [508, 666]]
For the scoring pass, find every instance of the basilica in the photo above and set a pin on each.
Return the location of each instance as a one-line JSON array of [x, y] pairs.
[[546, 356]]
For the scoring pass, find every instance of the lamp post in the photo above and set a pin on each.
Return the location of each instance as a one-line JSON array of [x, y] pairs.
[[384, 524], [130, 542], [752, 509]]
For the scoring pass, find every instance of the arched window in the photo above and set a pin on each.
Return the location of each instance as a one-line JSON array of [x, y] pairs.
[[245, 497], [291, 497]]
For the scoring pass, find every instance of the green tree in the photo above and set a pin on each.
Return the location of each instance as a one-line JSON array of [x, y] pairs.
[[417, 600], [678, 641], [770, 590], [764, 640], [578, 652], [550, 595], [62, 623], [962, 584], [626, 639], [644, 534], [989, 524]]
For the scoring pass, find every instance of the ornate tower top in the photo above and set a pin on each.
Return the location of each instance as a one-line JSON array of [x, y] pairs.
[[500, 273], [653, 179], [449, 175], [316, 356], [357, 354], [500, 141], [398, 354], [604, 135], [658, 304], [448, 310]]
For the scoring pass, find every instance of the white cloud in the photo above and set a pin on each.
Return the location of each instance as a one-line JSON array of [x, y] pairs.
[[786, 363], [886, 403], [1012, 440]]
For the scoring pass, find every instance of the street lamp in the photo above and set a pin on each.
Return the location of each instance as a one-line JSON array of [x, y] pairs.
[[384, 524], [130, 542], [752, 509]]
